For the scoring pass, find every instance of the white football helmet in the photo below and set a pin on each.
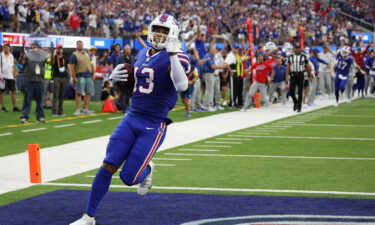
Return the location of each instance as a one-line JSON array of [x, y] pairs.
[[270, 46], [345, 51], [163, 20], [288, 47]]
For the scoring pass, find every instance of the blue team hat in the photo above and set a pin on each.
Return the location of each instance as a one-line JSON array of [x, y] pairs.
[[316, 50]]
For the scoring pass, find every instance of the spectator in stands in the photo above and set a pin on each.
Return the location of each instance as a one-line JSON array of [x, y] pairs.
[[59, 74], [125, 57], [82, 71], [74, 21], [113, 57], [34, 62], [93, 57], [8, 74]]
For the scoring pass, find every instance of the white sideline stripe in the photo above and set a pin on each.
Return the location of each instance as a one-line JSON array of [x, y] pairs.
[[333, 125], [65, 125], [170, 159], [251, 133], [214, 146], [239, 139], [223, 142], [114, 118], [223, 189], [298, 137], [92, 121], [272, 156], [5, 134], [32, 130], [198, 150]]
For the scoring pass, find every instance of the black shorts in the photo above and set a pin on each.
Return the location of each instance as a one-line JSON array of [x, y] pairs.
[[306, 83], [9, 85], [223, 82]]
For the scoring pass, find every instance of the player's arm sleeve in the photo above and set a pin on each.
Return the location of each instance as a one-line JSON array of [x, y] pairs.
[[178, 74]]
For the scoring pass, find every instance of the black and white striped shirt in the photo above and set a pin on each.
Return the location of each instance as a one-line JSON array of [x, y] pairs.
[[297, 62]]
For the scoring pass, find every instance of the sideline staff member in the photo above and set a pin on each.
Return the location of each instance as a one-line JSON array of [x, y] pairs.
[[297, 64]]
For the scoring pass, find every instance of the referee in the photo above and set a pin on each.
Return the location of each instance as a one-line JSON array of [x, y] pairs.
[[297, 64]]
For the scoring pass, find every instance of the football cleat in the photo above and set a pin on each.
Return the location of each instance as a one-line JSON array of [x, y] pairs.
[[145, 185], [84, 220]]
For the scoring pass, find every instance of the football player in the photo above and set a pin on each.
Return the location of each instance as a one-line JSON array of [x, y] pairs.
[[342, 69], [159, 74]]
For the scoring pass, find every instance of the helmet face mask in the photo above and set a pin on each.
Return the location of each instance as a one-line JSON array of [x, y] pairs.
[[345, 51], [160, 29]]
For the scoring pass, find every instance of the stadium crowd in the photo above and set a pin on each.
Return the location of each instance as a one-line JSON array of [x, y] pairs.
[[215, 71], [274, 20]]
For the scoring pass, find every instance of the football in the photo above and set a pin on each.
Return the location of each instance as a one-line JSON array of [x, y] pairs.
[[126, 86]]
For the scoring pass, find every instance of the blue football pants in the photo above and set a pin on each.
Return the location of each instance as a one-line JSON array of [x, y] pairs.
[[134, 141]]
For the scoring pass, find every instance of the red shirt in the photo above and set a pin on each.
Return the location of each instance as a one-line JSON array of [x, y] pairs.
[[271, 62], [74, 21], [360, 57], [261, 71]]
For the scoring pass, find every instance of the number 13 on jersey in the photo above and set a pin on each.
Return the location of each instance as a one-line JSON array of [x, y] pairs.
[[147, 86]]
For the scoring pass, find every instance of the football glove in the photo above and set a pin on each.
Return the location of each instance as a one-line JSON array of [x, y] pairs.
[[172, 45], [118, 74]]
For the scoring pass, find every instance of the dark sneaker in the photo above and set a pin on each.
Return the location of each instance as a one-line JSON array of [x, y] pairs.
[[24, 120], [41, 120], [16, 109], [3, 109]]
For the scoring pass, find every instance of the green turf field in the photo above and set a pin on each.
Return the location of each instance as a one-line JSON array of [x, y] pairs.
[[65, 129], [328, 152]]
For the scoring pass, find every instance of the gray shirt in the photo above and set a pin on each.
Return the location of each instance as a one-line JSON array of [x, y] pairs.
[[34, 64]]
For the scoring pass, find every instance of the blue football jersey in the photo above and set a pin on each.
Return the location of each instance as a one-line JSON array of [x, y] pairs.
[[343, 65], [154, 94]]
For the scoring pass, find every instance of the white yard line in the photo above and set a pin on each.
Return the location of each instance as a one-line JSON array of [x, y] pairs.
[[277, 126], [332, 125], [270, 156], [267, 129], [355, 116], [251, 133], [199, 150], [65, 125], [171, 159], [315, 138], [159, 164], [223, 189], [213, 146], [361, 109], [291, 121], [223, 142], [234, 139], [92, 121], [32, 130], [5, 134], [115, 118]]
